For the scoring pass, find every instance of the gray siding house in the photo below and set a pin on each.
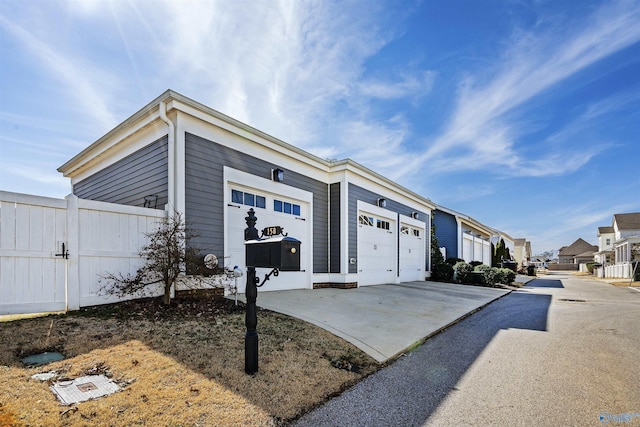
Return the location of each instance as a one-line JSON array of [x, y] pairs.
[[356, 226]]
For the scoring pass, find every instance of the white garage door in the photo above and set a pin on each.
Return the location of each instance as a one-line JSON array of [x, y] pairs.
[[271, 210], [376, 250], [411, 253]]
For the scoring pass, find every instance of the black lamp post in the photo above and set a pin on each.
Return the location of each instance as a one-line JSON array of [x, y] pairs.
[[251, 292]]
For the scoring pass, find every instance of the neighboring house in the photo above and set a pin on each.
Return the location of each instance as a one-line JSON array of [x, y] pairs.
[[626, 244], [605, 254], [356, 226], [462, 236], [522, 252], [579, 252]]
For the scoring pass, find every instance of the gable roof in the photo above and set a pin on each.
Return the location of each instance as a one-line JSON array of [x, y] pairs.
[[627, 221], [577, 247], [605, 230]]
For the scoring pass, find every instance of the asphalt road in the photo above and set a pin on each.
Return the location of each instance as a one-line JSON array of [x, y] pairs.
[[560, 351]]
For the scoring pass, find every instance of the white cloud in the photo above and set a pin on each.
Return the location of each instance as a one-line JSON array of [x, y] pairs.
[[404, 86], [69, 71], [610, 105], [292, 69], [483, 121]]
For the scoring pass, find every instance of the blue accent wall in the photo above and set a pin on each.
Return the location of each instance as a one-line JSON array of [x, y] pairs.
[[446, 232]]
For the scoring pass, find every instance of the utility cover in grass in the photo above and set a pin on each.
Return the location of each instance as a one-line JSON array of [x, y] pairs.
[[42, 358], [84, 388]]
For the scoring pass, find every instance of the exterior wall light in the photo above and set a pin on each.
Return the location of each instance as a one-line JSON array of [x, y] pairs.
[[277, 175], [382, 203]]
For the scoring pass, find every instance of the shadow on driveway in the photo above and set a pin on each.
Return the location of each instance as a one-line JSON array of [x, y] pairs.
[[409, 391]]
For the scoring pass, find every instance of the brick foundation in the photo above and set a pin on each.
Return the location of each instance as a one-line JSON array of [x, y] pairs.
[[351, 285], [201, 293]]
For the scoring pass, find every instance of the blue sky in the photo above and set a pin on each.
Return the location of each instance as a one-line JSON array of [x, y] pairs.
[[522, 114]]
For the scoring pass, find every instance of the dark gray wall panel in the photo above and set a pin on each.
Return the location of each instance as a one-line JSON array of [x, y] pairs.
[[358, 193], [334, 227], [205, 199], [129, 180]]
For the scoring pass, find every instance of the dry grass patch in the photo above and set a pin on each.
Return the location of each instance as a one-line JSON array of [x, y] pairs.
[[622, 283], [181, 366]]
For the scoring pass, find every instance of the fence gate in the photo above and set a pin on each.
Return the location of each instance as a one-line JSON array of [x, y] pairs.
[[53, 252], [32, 260]]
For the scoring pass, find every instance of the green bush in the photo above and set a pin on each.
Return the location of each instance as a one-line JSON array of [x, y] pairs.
[[474, 264], [442, 272], [491, 275], [498, 276], [453, 261], [481, 268], [462, 272], [509, 276], [488, 275]]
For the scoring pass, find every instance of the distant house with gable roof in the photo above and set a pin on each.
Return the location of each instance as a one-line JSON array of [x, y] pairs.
[[579, 252]]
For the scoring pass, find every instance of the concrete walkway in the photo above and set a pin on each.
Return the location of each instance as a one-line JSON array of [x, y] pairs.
[[385, 320]]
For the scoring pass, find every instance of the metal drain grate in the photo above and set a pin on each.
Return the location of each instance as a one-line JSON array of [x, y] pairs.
[[571, 300]]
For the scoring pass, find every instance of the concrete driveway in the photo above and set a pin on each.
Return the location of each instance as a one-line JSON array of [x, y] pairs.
[[383, 320]]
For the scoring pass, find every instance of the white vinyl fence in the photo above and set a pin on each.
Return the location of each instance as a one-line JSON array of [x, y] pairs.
[[624, 271], [53, 252]]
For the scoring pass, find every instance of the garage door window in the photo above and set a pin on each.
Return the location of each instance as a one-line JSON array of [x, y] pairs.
[[248, 199], [286, 207], [410, 231], [384, 225], [365, 220]]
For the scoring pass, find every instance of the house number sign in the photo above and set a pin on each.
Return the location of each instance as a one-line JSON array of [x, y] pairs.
[[274, 230]]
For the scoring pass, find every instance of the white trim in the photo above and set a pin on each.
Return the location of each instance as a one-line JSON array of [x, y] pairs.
[[376, 210], [244, 131], [388, 193], [234, 176], [344, 226], [206, 122], [242, 141], [132, 142], [413, 222], [460, 239], [180, 166]]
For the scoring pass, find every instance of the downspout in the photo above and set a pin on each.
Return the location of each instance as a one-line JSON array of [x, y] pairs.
[[171, 166], [171, 172]]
